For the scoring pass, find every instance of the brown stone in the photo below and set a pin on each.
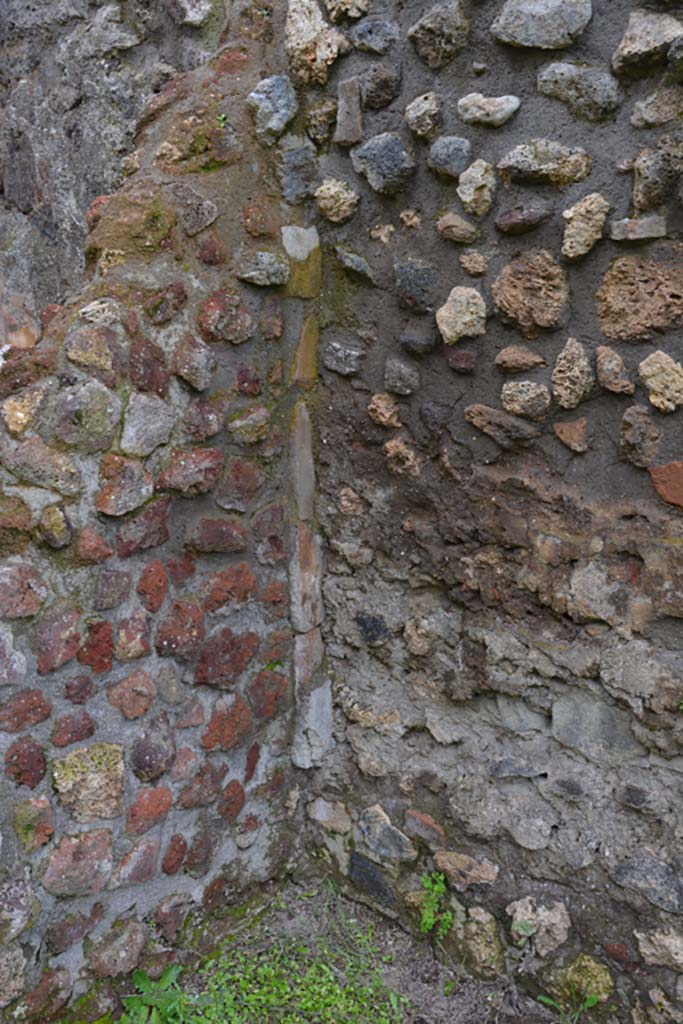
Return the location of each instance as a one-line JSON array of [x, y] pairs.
[[638, 298], [92, 548], [518, 359], [150, 807], [79, 865], [24, 709], [193, 471], [25, 762], [147, 367], [132, 695], [175, 855], [22, 591], [668, 482], [225, 656], [640, 436], [72, 928], [612, 374], [225, 317], [43, 1003], [233, 585], [463, 871], [56, 638], [72, 728], [230, 722], [506, 430], [132, 637], [268, 693], [572, 433], [217, 535], [147, 529], [152, 586], [181, 632], [203, 788], [231, 801], [98, 650], [532, 292], [125, 484]]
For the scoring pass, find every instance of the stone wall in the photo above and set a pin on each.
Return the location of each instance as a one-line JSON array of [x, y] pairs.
[[430, 256]]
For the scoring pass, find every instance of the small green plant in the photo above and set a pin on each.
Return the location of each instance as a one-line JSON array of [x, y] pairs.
[[680, 703], [436, 919], [222, 120], [522, 931], [157, 1002], [579, 1003], [450, 987]]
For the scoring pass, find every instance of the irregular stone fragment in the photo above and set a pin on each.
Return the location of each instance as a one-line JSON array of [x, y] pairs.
[[217, 535], [162, 306], [194, 211], [273, 103], [440, 34], [297, 168], [645, 42], [56, 637], [449, 155], [546, 24], [153, 749], [526, 398], [54, 527], [477, 188], [346, 8], [147, 529], [588, 92], [311, 45], [148, 423], [356, 265], [193, 471], [23, 709], [263, 269], [612, 373], [349, 127], [518, 359], [34, 822], [189, 12], [473, 263], [19, 411], [25, 762], [382, 838], [194, 362], [83, 416], [22, 592], [521, 219], [89, 781], [506, 430], [16, 908], [415, 283], [638, 229], [332, 816], [584, 225], [12, 973], [380, 86], [336, 200], [124, 485], [547, 927], [532, 292], [492, 111], [223, 316], [639, 437], [118, 952], [374, 35], [400, 377], [133, 695], [655, 173], [663, 378], [230, 722], [385, 162], [463, 871], [423, 114], [545, 162], [482, 952], [41, 465], [345, 360], [457, 229], [572, 433], [638, 297], [663, 948], [573, 377], [463, 315], [383, 410], [668, 482]]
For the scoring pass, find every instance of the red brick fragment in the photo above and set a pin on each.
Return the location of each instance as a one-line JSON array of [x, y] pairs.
[[24, 709], [230, 722], [72, 728], [98, 649], [152, 586], [225, 656], [150, 808]]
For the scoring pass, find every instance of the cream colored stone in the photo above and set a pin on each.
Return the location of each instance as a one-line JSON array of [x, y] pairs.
[[477, 187], [463, 315], [664, 949], [548, 927], [663, 378], [584, 225], [336, 200]]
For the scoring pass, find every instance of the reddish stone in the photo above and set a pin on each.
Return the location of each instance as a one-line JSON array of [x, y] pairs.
[[423, 826], [247, 380], [125, 484], [250, 824], [194, 361], [23, 367], [190, 716], [231, 586], [181, 632], [56, 638], [230, 722], [204, 787], [175, 855], [73, 728], [79, 865], [668, 482], [268, 693], [231, 801], [181, 568], [79, 689], [231, 62], [22, 591], [94, 212], [198, 858], [271, 321], [153, 750], [132, 637], [153, 586], [166, 303], [241, 482], [225, 656], [276, 596], [150, 808], [277, 647], [205, 417], [98, 649], [193, 471], [132, 695], [273, 785], [461, 360], [573, 434], [68, 930], [146, 530], [119, 951], [217, 535], [148, 369], [223, 316], [92, 547], [25, 762], [267, 526], [49, 312], [253, 755], [170, 914], [260, 220], [34, 822], [184, 762], [111, 589], [216, 895], [24, 709], [211, 251], [43, 1003]]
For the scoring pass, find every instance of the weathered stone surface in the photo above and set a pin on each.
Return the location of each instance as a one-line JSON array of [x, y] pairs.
[[189, 12], [118, 952], [191, 471], [663, 378], [612, 373], [573, 377], [440, 34], [599, 731], [194, 211], [546, 24], [584, 225], [380, 85], [263, 268], [22, 591], [481, 946], [532, 291], [34, 822], [400, 377], [23, 709], [297, 168], [456, 229], [385, 162], [194, 362], [273, 103], [349, 125], [83, 416], [423, 114], [415, 283], [639, 437], [463, 315], [17, 908], [463, 871], [79, 865], [526, 398], [56, 637], [663, 948], [668, 482], [153, 749], [491, 111], [25, 762], [521, 219], [543, 161], [223, 316], [311, 45], [347, 8], [148, 423], [230, 723], [374, 35], [336, 200], [573, 434], [89, 781], [37, 463], [588, 92], [645, 42], [12, 973], [382, 838], [225, 656], [449, 155], [638, 229], [639, 297], [518, 359], [506, 430], [548, 927], [145, 530], [124, 486], [50, 995]]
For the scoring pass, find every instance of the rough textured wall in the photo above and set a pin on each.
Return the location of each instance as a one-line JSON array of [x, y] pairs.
[[493, 308]]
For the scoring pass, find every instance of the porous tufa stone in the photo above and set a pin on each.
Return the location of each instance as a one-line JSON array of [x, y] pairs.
[[463, 315]]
